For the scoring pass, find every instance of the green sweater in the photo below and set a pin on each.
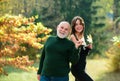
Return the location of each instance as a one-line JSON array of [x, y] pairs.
[[56, 56]]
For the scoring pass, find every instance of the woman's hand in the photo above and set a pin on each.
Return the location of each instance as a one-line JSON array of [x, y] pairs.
[[78, 43], [89, 46]]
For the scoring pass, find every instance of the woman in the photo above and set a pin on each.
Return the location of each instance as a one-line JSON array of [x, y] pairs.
[[77, 36]]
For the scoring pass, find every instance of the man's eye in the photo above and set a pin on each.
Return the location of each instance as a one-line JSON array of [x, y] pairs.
[[62, 27], [66, 29]]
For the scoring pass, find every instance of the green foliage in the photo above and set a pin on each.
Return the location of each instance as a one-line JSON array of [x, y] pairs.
[[116, 9], [114, 54], [51, 12], [17, 7], [117, 25], [98, 74], [101, 25]]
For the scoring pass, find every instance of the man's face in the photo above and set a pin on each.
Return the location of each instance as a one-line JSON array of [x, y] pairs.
[[63, 30]]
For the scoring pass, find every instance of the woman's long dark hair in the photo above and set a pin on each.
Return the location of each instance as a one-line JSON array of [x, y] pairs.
[[73, 23]]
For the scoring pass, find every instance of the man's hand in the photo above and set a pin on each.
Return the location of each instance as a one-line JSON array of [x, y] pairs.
[[38, 77]]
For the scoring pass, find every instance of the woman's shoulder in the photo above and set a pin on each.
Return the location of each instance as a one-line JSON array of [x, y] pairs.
[[72, 36], [83, 38]]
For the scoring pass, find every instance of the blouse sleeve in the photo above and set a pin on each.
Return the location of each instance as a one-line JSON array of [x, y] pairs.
[[74, 56], [84, 43]]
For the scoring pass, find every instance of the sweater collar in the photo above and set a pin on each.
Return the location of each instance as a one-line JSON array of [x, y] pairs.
[[60, 38]]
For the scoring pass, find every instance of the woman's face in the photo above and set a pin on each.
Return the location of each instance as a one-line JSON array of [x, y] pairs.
[[78, 26]]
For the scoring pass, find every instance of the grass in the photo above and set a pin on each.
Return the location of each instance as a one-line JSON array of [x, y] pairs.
[[15, 74], [97, 69]]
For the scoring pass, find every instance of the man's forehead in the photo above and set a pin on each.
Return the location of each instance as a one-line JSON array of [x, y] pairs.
[[64, 24]]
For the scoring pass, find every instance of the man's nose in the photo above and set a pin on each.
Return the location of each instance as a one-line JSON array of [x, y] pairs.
[[63, 30]]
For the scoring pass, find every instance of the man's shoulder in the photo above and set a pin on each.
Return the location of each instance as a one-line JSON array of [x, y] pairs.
[[51, 37], [70, 42]]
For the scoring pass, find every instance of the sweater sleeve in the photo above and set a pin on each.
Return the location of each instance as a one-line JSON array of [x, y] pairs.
[[41, 61], [74, 56], [42, 58]]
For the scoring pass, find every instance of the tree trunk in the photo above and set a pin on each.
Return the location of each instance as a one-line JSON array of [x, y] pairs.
[[116, 8]]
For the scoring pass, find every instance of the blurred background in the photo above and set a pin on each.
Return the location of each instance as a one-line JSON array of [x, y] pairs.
[[26, 24]]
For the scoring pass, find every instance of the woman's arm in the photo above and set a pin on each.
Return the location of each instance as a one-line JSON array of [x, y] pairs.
[[75, 41]]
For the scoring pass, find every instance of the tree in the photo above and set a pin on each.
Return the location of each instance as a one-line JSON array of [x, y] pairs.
[[53, 11], [3, 4], [17, 7], [116, 8], [113, 54], [50, 14], [70, 8], [101, 25], [17, 33]]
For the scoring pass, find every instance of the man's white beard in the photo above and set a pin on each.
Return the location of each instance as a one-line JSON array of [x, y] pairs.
[[61, 35]]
